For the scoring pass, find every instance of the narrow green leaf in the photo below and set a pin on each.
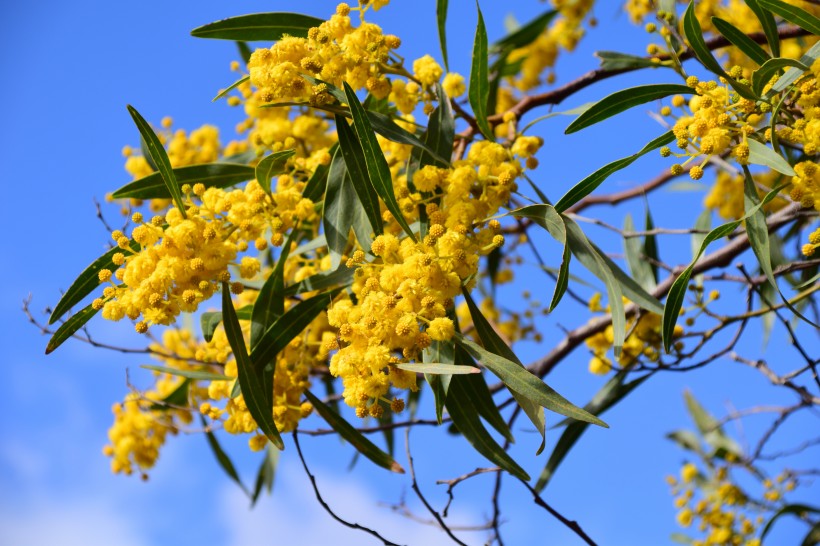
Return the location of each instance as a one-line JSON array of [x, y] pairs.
[[520, 380], [244, 52], [160, 158], [760, 154], [272, 165], [612, 60], [635, 258], [694, 35], [623, 100], [438, 368], [259, 403], [377, 169], [592, 259], [441, 352], [573, 112], [340, 205], [525, 34], [322, 281], [70, 327], [212, 175], [812, 538], [497, 346], [466, 420], [702, 223], [650, 244], [86, 282], [686, 439], [222, 458], [356, 439], [591, 182], [315, 186], [270, 302], [262, 27], [357, 167], [231, 87], [793, 14], [610, 394], [211, 319], [762, 75], [793, 74], [739, 38], [190, 374], [703, 419], [266, 473], [441, 19], [769, 26], [479, 89], [177, 398], [562, 281], [475, 388], [287, 327], [441, 131]]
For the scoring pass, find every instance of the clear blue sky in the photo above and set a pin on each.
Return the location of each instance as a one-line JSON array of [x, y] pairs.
[[69, 69]]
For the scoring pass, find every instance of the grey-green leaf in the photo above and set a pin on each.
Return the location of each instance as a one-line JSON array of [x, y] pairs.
[[212, 175], [272, 165], [479, 89], [70, 327], [623, 100], [190, 374], [612, 60], [231, 87], [771, 67], [769, 25], [760, 154], [356, 439], [793, 14], [441, 20], [357, 167], [739, 38], [265, 27], [222, 458], [160, 158], [259, 403]]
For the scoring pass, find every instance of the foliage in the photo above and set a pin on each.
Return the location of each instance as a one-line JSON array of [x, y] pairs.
[[358, 231]]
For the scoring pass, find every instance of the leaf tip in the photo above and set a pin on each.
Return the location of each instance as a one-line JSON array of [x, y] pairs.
[[396, 467]]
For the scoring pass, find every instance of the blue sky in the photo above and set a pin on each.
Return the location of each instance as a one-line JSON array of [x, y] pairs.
[[70, 69]]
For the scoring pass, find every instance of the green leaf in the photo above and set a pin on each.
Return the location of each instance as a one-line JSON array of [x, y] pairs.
[[694, 35], [244, 52], [341, 207], [769, 26], [441, 131], [475, 388], [357, 167], [222, 457], [377, 169], [686, 439], [520, 380], [441, 352], [739, 38], [710, 429], [160, 158], [610, 394], [525, 34], [190, 374], [266, 473], [465, 418], [793, 14], [322, 281], [212, 175], [259, 403], [573, 112], [492, 342], [793, 74], [650, 244], [479, 90], [87, 282], [287, 327], [636, 259], [591, 182], [315, 186], [234, 85], [771, 67], [270, 302], [356, 439], [272, 165], [211, 319], [623, 100], [438, 368], [592, 258], [812, 538], [441, 19], [261, 27], [760, 154], [612, 60], [178, 398], [70, 327]]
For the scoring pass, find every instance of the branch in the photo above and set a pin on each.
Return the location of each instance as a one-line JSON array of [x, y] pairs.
[[572, 525], [326, 506]]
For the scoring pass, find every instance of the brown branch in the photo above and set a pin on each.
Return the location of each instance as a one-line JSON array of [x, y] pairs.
[[455, 481], [326, 506], [571, 524], [719, 258]]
